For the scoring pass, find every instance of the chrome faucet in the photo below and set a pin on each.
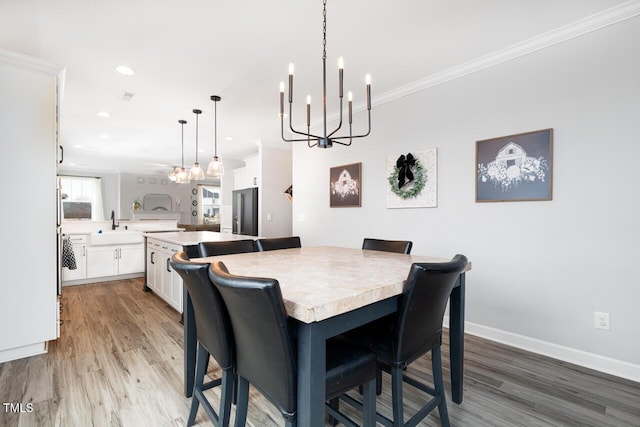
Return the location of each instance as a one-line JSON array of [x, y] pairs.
[[113, 220]]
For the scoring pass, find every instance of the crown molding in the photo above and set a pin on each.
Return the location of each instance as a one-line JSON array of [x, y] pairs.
[[26, 62], [611, 16], [29, 62]]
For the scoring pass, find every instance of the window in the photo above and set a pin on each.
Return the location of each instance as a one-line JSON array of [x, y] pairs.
[[210, 204], [81, 198]]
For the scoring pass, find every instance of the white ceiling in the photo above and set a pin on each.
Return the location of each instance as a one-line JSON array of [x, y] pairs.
[[185, 51]]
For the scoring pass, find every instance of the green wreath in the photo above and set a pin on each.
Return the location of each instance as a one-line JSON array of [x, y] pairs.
[[419, 179]]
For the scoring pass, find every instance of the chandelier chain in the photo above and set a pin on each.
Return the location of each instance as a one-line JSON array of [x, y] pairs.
[[324, 29]]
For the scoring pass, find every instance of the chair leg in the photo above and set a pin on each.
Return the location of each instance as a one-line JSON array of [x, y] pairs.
[[396, 396], [201, 369], [335, 404], [226, 396], [242, 402], [436, 363], [369, 404]]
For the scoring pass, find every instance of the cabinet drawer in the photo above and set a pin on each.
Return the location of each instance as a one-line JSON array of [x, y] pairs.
[[77, 239]]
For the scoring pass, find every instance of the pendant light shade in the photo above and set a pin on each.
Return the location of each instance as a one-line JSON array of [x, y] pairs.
[[196, 173], [216, 168], [182, 177], [173, 173]]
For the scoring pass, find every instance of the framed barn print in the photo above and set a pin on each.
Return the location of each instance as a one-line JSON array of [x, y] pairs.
[[515, 167], [345, 186]]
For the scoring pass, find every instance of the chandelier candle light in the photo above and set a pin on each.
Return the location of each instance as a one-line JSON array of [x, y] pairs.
[[182, 177], [215, 169], [325, 140], [196, 173]]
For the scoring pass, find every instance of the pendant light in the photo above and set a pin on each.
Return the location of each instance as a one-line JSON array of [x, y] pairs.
[[326, 139], [196, 173], [172, 174], [182, 177], [216, 168]]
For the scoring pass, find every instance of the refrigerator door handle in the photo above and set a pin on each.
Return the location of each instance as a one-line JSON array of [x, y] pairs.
[[239, 212]]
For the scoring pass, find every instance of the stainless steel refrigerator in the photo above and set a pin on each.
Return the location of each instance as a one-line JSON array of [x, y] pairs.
[[245, 211]]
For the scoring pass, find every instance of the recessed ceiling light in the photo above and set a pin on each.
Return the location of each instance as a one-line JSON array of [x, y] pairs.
[[103, 114], [127, 71], [228, 138], [77, 146], [104, 136]]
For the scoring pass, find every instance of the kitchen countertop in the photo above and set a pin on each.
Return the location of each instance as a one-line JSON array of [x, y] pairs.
[[188, 238]]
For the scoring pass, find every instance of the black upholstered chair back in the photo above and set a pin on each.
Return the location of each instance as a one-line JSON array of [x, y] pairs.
[[419, 324], [278, 243], [398, 246], [226, 247], [213, 327], [265, 356]]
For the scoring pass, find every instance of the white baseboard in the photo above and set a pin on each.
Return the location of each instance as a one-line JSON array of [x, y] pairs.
[[597, 362], [22, 352]]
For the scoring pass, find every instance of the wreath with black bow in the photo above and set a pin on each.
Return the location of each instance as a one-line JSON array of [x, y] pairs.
[[408, 177]]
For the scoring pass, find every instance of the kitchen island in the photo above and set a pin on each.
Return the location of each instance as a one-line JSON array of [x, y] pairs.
[[160, 247]]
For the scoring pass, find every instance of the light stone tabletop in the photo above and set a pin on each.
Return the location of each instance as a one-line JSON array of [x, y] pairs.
[[320, 282], [188, 238]]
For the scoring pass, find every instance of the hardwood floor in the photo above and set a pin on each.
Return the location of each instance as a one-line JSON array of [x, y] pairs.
[[119, 363]]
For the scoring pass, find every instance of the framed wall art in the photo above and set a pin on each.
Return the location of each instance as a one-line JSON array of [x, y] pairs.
[[412, 180], [515, 167], [345, 186]]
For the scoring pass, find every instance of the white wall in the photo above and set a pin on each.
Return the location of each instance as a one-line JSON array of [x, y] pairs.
[[540, 269], [275, 210]]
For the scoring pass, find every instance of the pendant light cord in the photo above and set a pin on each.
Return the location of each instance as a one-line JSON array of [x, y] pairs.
[[197, 137], [182, 145], [215, 128]]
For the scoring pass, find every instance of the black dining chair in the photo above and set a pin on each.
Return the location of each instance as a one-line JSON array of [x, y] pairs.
[[214, 336], [276, 243], [414, 330], [266, 351], [229, 247], [397, 246]]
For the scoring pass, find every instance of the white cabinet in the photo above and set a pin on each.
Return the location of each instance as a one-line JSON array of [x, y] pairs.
[[152, 260], [161, 278], [247, 176], [103, 261], [131, 259], [28, 134], [79, 245]]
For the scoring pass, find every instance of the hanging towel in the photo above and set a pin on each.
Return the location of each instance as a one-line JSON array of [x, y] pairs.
[[68, 257]]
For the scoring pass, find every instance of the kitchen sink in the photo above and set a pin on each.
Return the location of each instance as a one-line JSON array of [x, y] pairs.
[[116, 237]]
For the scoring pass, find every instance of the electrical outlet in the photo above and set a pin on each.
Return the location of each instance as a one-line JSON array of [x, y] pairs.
[[601, 321]]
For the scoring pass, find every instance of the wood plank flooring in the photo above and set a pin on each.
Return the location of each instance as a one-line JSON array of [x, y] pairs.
[[119, 363]]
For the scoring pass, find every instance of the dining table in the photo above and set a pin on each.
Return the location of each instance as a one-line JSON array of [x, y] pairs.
[[327, 291]]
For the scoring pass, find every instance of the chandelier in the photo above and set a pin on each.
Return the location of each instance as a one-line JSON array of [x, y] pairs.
[[327, 139]]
